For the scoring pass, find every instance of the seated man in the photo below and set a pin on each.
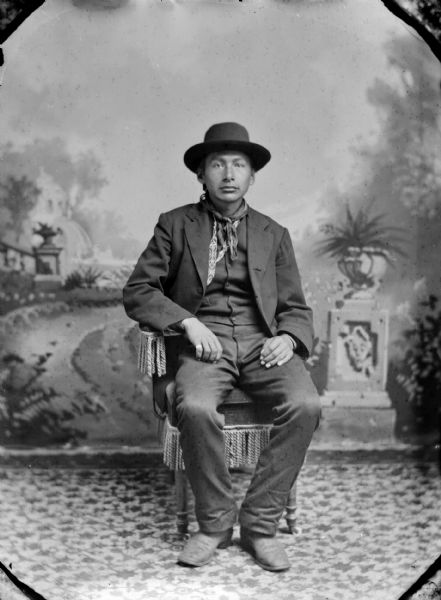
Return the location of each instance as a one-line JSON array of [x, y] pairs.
[[227, 277]]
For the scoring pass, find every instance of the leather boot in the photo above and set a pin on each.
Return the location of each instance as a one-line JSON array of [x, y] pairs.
[[201, 547], [266, 550]]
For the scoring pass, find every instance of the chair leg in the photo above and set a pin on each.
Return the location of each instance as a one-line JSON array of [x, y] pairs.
[[291, 510], [181, 502]]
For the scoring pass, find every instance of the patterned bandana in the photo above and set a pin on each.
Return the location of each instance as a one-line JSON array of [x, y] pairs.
[[224, 237]]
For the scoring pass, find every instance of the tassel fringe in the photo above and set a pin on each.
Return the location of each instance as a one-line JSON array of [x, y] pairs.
[[151, 354], [243, 445]]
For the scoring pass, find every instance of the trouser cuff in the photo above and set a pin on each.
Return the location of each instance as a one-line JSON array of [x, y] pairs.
[[223, 523], [257, 526]]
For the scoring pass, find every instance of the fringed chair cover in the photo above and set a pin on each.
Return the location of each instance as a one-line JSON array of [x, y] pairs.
[[151, 353], [243, 445]]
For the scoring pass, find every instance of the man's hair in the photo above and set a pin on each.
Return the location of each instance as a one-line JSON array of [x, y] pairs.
[[201, 167]]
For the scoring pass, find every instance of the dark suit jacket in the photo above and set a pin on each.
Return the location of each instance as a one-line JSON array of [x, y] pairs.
[[169, 279]]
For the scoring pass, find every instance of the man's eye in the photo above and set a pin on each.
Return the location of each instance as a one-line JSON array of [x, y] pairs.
[[239, 164]]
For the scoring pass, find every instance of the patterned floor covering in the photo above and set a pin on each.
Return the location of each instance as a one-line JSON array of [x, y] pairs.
[[369, 528]]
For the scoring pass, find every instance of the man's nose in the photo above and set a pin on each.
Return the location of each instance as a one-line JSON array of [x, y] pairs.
[[229, 172]]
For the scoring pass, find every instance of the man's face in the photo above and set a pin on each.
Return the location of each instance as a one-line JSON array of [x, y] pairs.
[[227, 176]]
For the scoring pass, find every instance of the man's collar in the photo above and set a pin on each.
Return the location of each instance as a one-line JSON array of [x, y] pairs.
[[207, 205]]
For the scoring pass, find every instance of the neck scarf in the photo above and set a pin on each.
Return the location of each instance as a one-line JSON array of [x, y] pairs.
[[224, 237]]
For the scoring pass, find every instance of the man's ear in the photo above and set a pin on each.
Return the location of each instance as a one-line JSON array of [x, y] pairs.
[[252, 178]]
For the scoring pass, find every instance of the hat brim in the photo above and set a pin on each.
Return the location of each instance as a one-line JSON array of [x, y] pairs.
[[258, 155]]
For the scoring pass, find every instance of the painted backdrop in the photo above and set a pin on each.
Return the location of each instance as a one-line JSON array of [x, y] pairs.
[[98, 106]]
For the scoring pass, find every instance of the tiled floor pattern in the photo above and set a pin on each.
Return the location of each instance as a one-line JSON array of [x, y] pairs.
[[368, 530]]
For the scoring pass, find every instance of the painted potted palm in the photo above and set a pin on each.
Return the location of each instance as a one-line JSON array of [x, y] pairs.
[[363, 245]]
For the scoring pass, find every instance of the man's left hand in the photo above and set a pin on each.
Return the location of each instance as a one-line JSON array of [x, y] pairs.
[[277, 350]]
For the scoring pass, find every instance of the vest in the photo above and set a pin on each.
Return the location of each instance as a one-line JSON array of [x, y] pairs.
[[229, 299]]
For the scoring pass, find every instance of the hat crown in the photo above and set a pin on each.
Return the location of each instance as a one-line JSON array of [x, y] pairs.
[[227, 132], [222, 137]]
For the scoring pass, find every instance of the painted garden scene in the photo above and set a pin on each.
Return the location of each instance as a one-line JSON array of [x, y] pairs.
[[66, 354]]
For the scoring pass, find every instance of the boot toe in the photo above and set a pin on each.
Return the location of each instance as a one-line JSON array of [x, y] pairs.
[[201, 547], [267, 551]]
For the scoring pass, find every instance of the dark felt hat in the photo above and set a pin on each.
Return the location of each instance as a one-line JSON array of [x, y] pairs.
[[226, 136]]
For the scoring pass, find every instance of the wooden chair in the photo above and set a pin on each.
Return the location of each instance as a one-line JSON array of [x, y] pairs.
[[247, 428]]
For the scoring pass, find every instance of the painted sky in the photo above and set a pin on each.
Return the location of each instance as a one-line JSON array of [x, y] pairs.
[[140, 84]]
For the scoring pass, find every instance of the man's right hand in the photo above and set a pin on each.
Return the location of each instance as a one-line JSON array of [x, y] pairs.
[[207, 345]]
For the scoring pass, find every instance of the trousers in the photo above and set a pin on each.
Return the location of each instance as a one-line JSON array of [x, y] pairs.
[[201, 387]]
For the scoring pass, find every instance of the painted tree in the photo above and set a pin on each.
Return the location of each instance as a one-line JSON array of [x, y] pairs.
[[403, 166], [18, 196], [407, 153], [79, 177]]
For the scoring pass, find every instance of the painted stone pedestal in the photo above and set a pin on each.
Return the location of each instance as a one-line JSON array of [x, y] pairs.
[[48, 277], [356, 407]]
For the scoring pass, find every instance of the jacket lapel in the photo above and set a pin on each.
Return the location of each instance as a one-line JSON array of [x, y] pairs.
[[198, 232], [260, 242]]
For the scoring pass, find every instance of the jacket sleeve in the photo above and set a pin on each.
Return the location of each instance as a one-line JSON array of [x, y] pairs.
[[143, 295], [293, 316]]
